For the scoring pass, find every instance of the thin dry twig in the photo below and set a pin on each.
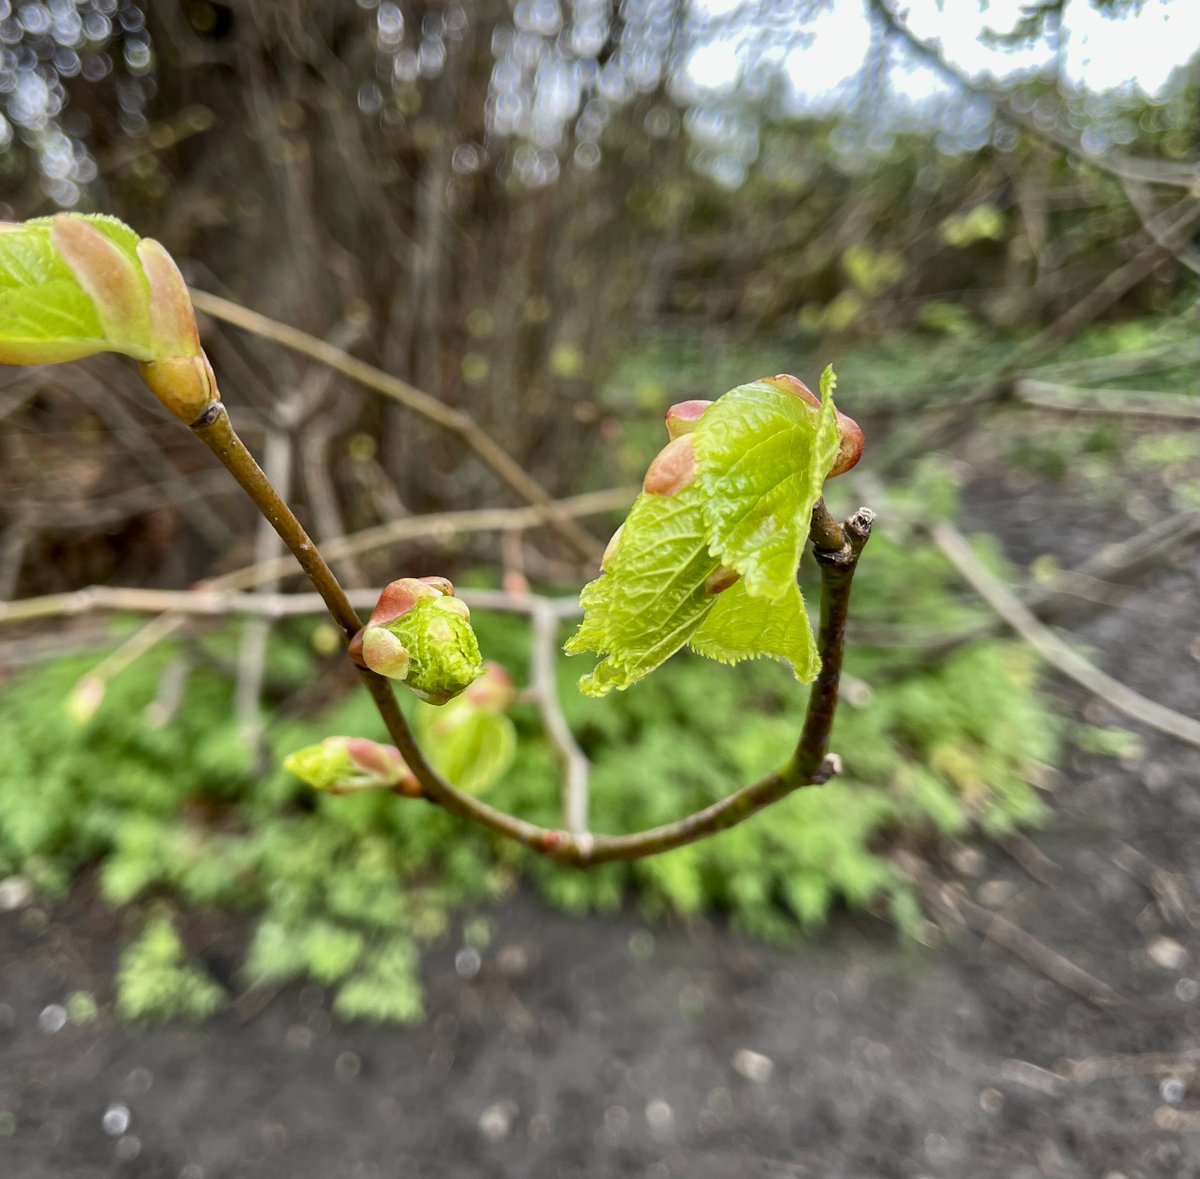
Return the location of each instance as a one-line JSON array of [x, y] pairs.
[[1053, 649], [999, 929], [459, 423], [542, 651], [218, 603], [1147, 171], [1106, 402], [435, 526]]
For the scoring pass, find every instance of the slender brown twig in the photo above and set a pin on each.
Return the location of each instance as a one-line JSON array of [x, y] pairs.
[[810, 765], [459, 423]]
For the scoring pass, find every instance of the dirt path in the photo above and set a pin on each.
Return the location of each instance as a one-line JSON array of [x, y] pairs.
[[599, 1047]]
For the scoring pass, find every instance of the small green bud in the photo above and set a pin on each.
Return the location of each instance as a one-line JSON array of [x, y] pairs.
[[673, 468], [420, 634], [351, 765], [85, 699]]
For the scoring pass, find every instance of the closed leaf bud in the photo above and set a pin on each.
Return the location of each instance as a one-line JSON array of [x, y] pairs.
[[673, 468], [351, 765], [850, 432], [420, 634], [184, 384], [85, 699], [683, 417], [851, 446]]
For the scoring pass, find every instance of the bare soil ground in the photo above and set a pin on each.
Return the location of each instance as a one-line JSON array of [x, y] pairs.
[[602, 1047]]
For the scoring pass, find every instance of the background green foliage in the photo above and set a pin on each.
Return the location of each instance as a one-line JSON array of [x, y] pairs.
[[346, 891]]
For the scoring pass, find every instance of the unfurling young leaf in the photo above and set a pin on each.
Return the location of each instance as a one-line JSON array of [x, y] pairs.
[[708, 554], [471, 741], [420, 634], [74, 285]]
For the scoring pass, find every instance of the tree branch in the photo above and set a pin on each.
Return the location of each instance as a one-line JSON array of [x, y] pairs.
[[810, 765]]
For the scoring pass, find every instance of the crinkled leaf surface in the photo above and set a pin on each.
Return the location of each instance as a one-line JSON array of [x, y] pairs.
[[443, 651], [743, 627], [652, 598], [45, 314], [762, 454]]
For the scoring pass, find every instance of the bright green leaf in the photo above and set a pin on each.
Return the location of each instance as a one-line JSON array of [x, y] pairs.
[[741, 627], [652, 599], [762, 455], [46, 314], [761, 458]]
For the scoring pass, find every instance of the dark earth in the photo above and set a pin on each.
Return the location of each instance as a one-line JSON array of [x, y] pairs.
[[603, 1047]]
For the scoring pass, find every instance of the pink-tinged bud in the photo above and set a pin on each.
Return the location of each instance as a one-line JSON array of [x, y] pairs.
[[850, 432], [383, 653], [786, 383], [673, 468], [612, 548], [851, 447], [514, 582], [720, 579], [683, 417], [185, 385], [352, 765], [374, 759], [421, 634], [110, 279], [494, 691], [399, 597], [173, 330]]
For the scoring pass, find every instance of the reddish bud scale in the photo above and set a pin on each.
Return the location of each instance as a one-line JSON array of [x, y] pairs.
[[850, 432], [399, 597], [381, 761], [673, 468], [683, 417]]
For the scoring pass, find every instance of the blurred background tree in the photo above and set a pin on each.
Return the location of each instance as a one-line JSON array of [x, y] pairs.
[[561, 217], [498, 202]]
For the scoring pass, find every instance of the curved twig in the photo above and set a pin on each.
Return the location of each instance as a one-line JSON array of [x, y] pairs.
[[810, 765]]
